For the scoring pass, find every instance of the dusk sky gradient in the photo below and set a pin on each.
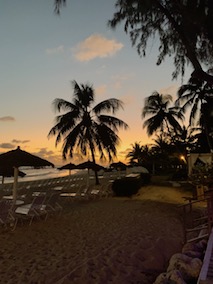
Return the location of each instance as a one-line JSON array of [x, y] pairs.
[[41, 53]]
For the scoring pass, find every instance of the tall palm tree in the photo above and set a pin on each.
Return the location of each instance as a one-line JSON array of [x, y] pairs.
[[86, 127], [162, 117], [196, 95]]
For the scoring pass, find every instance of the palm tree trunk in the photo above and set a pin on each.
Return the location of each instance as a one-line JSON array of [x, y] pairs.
[[93, 159]]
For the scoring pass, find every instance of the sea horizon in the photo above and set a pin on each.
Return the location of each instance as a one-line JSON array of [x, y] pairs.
[[42, 173]]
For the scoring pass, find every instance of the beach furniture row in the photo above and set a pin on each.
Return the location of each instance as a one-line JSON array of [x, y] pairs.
[[41, 205], [61, 181]]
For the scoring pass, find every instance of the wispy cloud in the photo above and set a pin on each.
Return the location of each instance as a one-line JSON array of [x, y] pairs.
[[45, 152], [13, 143], [56, 50], [7, 118], [96, 46], [7, 145], [20, 141]]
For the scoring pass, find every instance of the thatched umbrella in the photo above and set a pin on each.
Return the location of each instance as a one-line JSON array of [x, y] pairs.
[[118, 166], [9, 173], [90, 166], [17, 158], [69, 167]]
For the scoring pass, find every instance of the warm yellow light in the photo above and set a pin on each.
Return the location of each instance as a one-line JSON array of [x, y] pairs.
[[183, 158]]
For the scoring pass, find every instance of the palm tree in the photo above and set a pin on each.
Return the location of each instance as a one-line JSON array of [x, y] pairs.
[[197, 95], [185, 140], [162, 116], [162, 150], [136, 153], [86, 127]]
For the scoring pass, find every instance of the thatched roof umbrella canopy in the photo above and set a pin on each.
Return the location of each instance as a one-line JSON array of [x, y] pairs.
[[18, 158], [118, 166], [9, 172], [90, 166], [69, 167]]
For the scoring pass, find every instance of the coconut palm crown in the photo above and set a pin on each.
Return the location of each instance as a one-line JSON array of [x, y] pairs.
[[87, 128], [160, 114], [198, 96]]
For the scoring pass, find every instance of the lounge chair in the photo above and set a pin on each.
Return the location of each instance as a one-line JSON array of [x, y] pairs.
[[32, 210], [79, 192], [52, 203], [7, 217]]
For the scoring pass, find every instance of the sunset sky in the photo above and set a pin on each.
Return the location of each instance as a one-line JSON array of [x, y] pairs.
[[41, 53]]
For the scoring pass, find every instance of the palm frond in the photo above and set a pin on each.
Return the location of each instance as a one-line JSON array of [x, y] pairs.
[[110, 105], [83, 94], [153, 123], [72, 138], [113, 122], [60, 104]]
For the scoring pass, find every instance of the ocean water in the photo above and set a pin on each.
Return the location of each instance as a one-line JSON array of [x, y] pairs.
[[45, 173]]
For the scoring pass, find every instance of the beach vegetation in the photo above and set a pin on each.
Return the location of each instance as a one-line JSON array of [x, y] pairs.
[[160, 115], [87, 128], [139, 154], [197, 95]]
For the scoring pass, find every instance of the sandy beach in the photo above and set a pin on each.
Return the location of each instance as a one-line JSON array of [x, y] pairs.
[[112, 240]]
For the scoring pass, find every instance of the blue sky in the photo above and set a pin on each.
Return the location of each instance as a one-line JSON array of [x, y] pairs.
[[41, 53]]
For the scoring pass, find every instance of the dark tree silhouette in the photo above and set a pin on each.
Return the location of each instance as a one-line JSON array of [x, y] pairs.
[[86, 127], [162, 117], [197, 95], [184, 29]]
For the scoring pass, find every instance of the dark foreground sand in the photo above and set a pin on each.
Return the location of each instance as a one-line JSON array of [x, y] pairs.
[[114, 240]]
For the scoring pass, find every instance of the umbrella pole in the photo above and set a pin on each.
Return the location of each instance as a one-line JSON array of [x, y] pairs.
[[88, 178], [15, 183]]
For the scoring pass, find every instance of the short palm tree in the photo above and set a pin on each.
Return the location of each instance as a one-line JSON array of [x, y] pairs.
[[138, 154], [162, 117], [135, 154], [86, 127]]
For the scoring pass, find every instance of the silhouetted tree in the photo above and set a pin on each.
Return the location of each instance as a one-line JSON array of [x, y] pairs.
[[139, 154], [86, 127], [197, 96], [184, 29], [161, 116]]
